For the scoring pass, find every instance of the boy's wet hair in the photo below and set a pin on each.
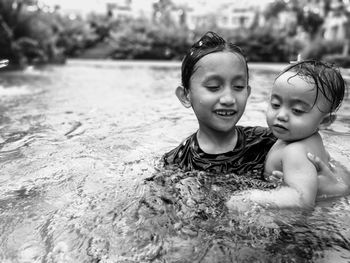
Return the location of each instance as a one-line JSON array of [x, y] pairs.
[[210, 42], [326, 78]]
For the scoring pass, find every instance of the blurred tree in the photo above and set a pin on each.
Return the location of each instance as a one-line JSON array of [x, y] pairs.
[[310, 21], [263, 45], [142, 39], [27, 33], [75, 35], [274, 8], [100, 24], [162, 12], [130, 39]]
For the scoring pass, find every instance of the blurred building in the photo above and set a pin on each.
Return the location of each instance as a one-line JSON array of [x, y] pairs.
[[198, 14], [121, 9], [225, 14], [238, 15], [116, 8], [337, 24], [75, 8]]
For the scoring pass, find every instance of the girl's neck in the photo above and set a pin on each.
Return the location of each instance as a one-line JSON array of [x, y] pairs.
[[216, 143]]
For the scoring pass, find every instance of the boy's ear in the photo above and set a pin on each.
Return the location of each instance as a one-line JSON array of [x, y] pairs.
[[327, 120], [249, 90], [183, 96]]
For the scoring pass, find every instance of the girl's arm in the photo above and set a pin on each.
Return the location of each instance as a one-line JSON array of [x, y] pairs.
[[333, 178]]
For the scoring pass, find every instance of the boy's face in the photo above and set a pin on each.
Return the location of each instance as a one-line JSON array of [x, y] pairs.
[[218, 91], [291, 113]]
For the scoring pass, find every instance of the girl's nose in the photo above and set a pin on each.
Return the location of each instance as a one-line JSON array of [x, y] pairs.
[[227, 97]]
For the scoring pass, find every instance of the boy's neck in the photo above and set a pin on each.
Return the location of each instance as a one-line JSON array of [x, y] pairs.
[[316, 133], [216, 143]]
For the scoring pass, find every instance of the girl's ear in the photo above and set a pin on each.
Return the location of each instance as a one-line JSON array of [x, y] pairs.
[[249, 90], [183, 96], [327, 120]]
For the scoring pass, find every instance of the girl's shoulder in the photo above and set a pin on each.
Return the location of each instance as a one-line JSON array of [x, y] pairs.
[[256, 133], [181, 152]]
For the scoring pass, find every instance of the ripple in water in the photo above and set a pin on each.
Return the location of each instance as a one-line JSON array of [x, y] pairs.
[[74, 161]]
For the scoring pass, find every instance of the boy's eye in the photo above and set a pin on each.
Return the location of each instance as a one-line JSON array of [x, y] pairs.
[[275, 105], [298, 111]]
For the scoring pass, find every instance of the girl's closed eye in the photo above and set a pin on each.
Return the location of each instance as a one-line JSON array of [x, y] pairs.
[[239, 87], [213, 88], [213, 85]]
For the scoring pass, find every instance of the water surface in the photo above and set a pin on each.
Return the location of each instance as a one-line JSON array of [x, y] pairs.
[[77, 142]]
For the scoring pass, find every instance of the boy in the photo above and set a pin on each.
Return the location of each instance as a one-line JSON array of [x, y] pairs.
[[303, 100]]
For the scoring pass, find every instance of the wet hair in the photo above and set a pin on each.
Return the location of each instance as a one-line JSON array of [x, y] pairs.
[[324, 76], [209, 43]]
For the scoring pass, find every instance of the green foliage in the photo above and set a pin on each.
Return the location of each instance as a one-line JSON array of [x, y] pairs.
[[319, 48], [262, 45], [31, 36], [141, 39], [274, 8], [27, 33], [339, 60], [75, 35], [145, 40], [310, 21]]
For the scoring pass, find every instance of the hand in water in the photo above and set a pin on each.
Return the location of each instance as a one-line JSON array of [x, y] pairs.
[[275, 177], [240, 203], [4, 63], [330, 177]]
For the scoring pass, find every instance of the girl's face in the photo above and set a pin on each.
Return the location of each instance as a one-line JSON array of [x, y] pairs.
[[292, 113], [219, 91]]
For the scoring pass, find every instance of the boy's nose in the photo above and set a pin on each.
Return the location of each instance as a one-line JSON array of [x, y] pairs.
[[282, 115]]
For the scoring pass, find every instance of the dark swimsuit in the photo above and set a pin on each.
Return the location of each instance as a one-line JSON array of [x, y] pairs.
[[252, 146]]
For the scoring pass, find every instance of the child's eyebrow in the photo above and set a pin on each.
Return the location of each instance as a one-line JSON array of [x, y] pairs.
[[300, 102], [240, 77], [219, 77], [292, 101]]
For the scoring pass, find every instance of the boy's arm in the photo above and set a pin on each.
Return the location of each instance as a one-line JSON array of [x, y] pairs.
[[300, 177], [333, 177], [300, 174]]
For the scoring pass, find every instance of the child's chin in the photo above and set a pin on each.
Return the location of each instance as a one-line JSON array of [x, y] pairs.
[[281, 137]]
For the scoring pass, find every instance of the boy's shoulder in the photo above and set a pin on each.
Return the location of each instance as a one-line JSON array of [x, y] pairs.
[[312, 144]]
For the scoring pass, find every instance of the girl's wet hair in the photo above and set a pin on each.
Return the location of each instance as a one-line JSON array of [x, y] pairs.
[[210, 42], [326, 78]]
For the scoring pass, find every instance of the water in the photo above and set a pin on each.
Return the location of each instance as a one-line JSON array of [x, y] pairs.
[[78, 141]]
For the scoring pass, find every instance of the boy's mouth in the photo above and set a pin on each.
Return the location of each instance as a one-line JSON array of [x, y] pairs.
[[279, 128], [225, 113]]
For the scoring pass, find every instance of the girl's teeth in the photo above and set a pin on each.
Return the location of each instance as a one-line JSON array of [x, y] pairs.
[[225, 113]]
